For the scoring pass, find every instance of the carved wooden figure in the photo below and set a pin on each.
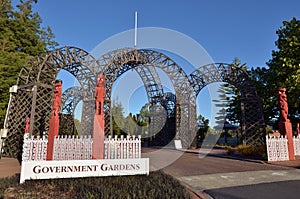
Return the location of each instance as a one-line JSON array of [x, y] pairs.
[[283, 105], [285, 126], [98, 137], [54, 120], [27, 125]]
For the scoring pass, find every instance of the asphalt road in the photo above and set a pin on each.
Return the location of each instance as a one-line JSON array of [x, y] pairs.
[[278, 190], [232, 178]]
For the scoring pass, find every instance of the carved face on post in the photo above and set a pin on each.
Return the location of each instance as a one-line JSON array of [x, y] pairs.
[[57, 97], [101, 81], [281, 91]]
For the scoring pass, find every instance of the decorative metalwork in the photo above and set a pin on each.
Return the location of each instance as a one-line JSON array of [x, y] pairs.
[[118, 62], [70, 99], [253, 125], [35, 92]]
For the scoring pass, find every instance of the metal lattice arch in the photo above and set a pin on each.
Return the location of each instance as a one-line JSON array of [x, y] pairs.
[[34, 95], [253, 125], [152, 84], [116, 63]]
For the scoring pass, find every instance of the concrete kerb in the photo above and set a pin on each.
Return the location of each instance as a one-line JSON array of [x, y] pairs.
[[194, 194]]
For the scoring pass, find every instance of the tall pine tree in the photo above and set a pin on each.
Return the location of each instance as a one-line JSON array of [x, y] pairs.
[[21, 37]]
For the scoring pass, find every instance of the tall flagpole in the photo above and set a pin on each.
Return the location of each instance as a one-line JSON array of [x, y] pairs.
[[135, 29]]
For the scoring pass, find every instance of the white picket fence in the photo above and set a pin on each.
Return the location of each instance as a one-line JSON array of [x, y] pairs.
[[72, 148], [34, 148], [80, 148], [122, 148], [297, 145], [277, 148]]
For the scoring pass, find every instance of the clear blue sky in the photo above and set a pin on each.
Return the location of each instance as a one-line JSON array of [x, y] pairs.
[[226, 29]]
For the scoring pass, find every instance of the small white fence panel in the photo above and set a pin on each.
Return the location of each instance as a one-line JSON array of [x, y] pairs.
[[277, 148], [80, 148], [297, 145], [122, 148], [72, 148], [34, 148]]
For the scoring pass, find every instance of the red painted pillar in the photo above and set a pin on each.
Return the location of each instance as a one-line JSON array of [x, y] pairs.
[[54, 120], [285, 126], [98, 136], [27, 126]]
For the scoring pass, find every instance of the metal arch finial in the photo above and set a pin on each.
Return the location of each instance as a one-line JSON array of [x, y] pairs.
[[135, 28]]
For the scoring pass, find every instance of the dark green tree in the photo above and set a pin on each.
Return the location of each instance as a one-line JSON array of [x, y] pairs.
[[266, 93], [131, 127], [284, 66], [283, 71], [203, 125], [118, 118], [21, 37], [142, 120], [229, 102], [229, 115]]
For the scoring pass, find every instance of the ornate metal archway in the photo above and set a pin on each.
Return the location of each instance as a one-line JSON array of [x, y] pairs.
[[34, 93], [120, 61], [35, 89], [253, 125]]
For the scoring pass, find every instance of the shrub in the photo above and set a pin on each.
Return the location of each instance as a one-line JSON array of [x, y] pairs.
[[252, 150], [229, 150], [6, 183], [156, 185]]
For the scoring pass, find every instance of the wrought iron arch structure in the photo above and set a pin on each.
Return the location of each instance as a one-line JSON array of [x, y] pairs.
[[151, 80], [34, 94], [253, 125], [70, 99], [114, 64]]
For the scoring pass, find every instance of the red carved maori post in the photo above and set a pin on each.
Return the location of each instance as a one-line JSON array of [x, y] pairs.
[[27, 125], [285, 126], [54, 120], [98, 137]]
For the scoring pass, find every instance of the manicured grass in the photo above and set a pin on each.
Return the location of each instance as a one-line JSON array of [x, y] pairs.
[[156, 185]]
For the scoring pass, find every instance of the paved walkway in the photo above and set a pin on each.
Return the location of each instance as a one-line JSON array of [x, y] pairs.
[[9, 167]]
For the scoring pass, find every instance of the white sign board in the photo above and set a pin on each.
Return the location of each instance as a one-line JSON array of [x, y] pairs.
[[178, 144], [83, 168]]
